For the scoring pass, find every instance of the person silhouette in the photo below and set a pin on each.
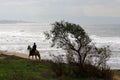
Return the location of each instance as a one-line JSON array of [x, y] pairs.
[[34, 47]]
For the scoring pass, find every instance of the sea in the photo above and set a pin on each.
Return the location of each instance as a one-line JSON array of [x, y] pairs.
[[16, 37]]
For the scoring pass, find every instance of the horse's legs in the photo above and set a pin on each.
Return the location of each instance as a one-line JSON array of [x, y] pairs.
[[35, 57], [39, 57]]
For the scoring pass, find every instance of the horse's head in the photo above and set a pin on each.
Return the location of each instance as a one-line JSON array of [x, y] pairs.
[[29, 48]]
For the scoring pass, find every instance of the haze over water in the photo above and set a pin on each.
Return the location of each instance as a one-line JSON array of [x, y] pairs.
[[16, 38]]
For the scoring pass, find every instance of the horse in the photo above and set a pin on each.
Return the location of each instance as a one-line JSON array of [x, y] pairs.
[[33, 53]]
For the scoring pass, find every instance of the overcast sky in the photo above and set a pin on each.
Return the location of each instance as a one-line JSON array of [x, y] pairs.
[[79, 11]]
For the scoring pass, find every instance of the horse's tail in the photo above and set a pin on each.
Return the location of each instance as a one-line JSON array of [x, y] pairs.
[[39, 55]]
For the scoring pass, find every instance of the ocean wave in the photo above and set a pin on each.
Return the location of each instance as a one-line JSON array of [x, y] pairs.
[[17, 41], [113, 42]]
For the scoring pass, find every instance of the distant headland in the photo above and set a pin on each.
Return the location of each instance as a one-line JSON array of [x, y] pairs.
[[14, 21]]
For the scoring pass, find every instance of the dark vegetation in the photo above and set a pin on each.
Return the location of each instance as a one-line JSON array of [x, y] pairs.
[[83, 58]]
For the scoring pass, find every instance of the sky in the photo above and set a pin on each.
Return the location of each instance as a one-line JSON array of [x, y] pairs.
[[77, 11]]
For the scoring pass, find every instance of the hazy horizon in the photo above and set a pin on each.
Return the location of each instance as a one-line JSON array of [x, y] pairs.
[[77, 11]]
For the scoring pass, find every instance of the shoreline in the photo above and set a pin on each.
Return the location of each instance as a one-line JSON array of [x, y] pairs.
[[22, 55]]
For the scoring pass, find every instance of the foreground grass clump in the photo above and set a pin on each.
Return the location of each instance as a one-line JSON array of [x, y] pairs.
[[75, 70], [23, 69], [15, 68]]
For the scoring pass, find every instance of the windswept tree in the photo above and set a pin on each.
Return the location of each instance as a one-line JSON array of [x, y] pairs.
[[78, 45], [74, 40]]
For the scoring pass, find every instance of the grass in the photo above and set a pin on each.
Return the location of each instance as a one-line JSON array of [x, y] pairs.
[[15, 68]]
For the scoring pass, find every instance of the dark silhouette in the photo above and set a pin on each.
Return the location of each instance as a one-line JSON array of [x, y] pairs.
[[34, 47], [33, 53]]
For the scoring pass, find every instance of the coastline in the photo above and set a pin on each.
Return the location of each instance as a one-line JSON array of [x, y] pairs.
[[22, 55]]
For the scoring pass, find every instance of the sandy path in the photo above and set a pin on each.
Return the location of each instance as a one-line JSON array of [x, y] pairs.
[[116, 77], [14, 53]]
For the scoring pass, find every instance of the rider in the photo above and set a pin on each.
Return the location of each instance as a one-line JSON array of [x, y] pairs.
[[34, 47]]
